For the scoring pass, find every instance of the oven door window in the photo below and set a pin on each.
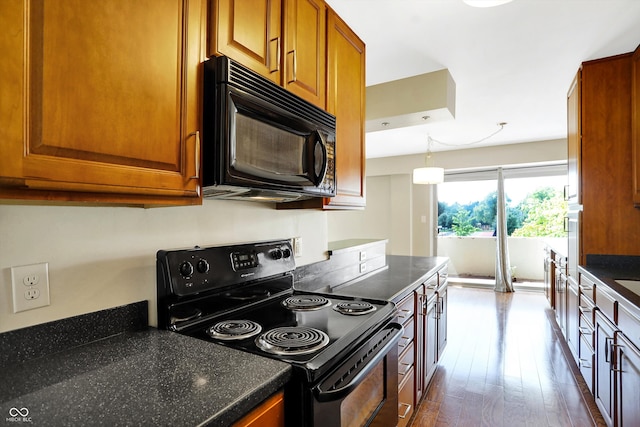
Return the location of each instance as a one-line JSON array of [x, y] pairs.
[[359, 406], [270, 146]]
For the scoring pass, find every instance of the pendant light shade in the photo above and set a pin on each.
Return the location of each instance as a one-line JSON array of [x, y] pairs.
[[428, 175], [486, 3]]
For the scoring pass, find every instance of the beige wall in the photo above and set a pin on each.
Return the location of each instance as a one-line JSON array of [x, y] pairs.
[[102, 257], [404, 214]]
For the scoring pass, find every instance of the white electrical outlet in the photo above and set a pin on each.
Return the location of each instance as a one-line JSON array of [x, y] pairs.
[[30, 284], [297, 247]]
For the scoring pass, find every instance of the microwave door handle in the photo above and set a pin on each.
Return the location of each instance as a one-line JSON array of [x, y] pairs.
[[319, 178]]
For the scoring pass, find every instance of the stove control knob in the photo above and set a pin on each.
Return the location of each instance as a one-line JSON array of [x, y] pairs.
[[186, 269], [276, 254], [286, 252], [202, 266]]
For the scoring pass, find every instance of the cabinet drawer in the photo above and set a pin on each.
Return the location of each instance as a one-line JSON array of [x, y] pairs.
[[586, 308], [405, 309], [430, 285], [606, 304], [586, 361], [587, 287], [585, 327], [443, 275], [629, 322], [405, 363], [407, 337], [406, 404]]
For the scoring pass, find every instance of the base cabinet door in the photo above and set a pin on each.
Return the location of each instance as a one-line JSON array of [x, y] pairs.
[[430, 341], [628, 387], [406, 402], [604, 387]]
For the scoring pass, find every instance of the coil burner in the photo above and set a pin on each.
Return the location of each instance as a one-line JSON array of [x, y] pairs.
[[292, 340], [354, 308], [306, 302], [231, 330]]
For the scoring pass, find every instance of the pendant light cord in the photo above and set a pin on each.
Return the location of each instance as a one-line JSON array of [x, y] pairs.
[[501, 124]]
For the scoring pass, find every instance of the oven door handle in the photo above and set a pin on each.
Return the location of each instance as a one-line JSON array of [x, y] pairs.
[[358, 366]]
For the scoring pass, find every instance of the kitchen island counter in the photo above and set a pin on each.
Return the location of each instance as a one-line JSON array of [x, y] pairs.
[[146, 377], [401, 276]]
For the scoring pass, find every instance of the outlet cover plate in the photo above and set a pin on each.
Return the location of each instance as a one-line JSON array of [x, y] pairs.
[[30, 285]]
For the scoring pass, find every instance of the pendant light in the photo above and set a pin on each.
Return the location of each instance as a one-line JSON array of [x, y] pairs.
[[428, 174]]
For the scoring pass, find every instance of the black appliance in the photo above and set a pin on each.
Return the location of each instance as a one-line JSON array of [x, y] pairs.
[[261, 142], [343, 350]]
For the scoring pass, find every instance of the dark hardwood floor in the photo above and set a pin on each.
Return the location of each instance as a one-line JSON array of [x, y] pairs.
[[505, 365]]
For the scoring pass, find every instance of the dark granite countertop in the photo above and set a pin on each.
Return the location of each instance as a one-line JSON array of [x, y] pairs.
[[402, 275], [609, 268], [142, 377]]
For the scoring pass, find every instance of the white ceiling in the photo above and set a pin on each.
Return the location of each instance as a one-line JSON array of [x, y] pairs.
[[512, 63]]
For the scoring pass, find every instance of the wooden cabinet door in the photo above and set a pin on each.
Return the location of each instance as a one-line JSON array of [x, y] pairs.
[[101, 97], [635, 126], [346, 97], [604, 387], [248, 31], [442, 319], [430, 341], [574, 142], [573, 333], [270, 413], [305, 44], [421, 312], [628, 408]]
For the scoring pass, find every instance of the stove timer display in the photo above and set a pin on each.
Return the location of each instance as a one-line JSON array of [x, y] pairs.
[[244, 260]]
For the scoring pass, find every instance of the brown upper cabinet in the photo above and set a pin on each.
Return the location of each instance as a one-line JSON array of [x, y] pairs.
[[345, 100], [250, 32], [100, 100], [283, 40], [635, 126]]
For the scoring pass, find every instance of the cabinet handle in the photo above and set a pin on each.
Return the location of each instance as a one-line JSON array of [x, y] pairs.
[[584, 310], [566, 224], [407, 367], [406, 411], [405, 314], [584, 330], [291, 66], [406, 343], [584, 363], [197, 152], [274, 55], [565, 192]]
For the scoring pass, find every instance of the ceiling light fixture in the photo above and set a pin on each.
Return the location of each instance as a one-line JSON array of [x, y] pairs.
[[486, 3], [428, 174]]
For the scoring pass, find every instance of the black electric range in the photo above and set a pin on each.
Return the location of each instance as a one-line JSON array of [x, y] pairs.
[[243, 296]]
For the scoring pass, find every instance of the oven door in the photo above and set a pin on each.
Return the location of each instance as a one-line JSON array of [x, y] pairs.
[[362, 391]]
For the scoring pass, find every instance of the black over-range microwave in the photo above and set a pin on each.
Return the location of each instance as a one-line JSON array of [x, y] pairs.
[[261, 142]]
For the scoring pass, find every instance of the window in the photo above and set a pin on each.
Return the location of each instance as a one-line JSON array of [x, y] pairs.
[[535, 203]]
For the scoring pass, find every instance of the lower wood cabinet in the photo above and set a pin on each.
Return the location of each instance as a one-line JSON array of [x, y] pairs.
[[270, 413], [406, 399], [628, 382], [423, 313], [604, 386]]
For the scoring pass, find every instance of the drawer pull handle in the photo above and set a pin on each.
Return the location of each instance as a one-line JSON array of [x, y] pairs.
[[585, 363], [585, 331], [407, 368], [406, 411]]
